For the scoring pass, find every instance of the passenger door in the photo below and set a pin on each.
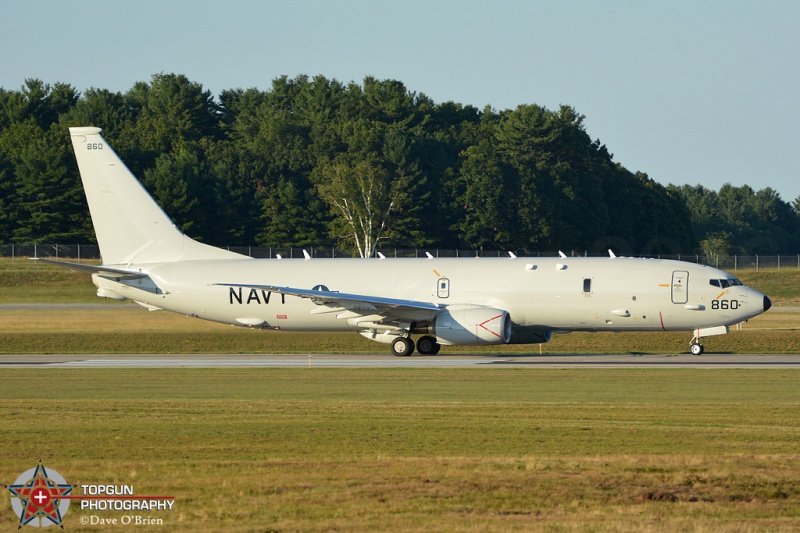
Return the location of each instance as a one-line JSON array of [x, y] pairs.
[[680, 287]]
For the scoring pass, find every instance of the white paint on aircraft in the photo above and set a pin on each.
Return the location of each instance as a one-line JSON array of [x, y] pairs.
[[493, 301]]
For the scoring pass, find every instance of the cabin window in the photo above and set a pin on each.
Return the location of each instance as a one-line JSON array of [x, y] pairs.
[[587, 285]]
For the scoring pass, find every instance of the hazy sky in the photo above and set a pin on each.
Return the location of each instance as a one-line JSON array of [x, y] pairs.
[[687, 91]]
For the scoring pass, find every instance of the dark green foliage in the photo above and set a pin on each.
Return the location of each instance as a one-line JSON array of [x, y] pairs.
[[276, 168], [739, 220]]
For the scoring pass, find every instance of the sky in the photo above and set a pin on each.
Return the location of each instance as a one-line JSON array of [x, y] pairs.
[[699, 92]]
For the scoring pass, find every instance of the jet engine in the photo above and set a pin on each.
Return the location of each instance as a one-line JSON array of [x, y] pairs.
[[471, 325]]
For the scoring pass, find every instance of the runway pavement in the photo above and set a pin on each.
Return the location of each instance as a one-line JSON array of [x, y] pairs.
[[387, 361]]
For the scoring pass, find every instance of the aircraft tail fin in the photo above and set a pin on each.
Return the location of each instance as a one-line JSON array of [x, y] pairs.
[[129, 224]]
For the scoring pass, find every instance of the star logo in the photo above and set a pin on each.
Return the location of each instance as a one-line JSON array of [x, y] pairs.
[[38, 497]]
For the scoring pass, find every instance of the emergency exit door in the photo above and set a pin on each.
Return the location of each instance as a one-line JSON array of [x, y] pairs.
[[443, 288]]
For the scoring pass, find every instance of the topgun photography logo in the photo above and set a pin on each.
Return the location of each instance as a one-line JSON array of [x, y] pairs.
[[39, 497]]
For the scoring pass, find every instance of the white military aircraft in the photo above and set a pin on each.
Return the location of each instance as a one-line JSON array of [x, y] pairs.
[[483, 301]]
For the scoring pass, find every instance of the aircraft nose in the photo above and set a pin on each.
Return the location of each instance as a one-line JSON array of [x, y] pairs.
[[767, 303]]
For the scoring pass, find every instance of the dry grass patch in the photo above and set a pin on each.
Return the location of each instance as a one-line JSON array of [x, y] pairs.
[[129, 329], [422, 449]]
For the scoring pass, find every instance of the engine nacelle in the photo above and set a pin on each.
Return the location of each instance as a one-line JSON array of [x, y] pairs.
[[471, 325]]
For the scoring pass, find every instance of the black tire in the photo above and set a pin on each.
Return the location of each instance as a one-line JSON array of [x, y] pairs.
[[696, 349], [402, 346], [427, 345]]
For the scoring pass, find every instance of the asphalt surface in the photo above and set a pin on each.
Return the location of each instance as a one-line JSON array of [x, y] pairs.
[[388, 361]]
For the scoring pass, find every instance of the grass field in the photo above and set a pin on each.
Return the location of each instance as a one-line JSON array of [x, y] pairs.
[[414, 450], [485, 449], [126, 329]]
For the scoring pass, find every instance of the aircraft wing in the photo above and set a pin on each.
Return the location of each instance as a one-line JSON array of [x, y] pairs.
[[109, 272], [357, 304]]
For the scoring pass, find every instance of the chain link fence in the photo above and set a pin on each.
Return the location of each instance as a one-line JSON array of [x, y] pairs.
[[91, 252]]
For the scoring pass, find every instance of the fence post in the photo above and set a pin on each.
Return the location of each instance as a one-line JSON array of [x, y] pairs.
[[756, 262]]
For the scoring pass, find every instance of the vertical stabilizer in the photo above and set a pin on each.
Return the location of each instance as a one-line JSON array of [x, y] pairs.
[[130, 226]]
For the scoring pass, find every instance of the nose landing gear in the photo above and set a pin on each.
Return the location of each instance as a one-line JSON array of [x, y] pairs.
[[696, 348]]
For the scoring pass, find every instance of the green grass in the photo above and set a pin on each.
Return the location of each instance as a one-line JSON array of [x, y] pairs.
[[129, 329], [783, 286], [421, 449], [26, 281]]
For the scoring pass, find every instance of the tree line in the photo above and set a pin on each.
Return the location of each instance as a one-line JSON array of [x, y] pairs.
[[316, 162]]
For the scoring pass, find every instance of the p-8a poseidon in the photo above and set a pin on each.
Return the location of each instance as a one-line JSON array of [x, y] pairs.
[[482, 301]]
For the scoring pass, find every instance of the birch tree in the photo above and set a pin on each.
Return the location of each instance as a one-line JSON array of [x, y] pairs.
[[365, 200]]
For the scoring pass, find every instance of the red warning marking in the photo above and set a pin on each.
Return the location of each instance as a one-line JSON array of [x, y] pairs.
[[487, 329]]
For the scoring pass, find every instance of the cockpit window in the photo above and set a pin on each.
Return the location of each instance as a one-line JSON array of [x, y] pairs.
[[725, 283]]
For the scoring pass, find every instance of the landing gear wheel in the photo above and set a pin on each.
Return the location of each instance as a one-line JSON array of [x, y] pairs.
[[696, 349], [427, 345], [402, 346]]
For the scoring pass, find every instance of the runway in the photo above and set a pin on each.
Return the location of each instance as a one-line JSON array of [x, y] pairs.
[[387, 361]]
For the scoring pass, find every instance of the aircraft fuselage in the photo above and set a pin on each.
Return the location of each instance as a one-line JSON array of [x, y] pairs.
[[540, 294]]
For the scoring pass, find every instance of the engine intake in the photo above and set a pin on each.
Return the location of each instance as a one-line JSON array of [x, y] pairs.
[[472, 325]]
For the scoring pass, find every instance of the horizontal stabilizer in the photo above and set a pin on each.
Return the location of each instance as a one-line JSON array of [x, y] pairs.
[[109, 272]]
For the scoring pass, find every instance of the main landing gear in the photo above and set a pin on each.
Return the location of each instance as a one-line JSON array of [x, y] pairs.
[[404, 346]]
